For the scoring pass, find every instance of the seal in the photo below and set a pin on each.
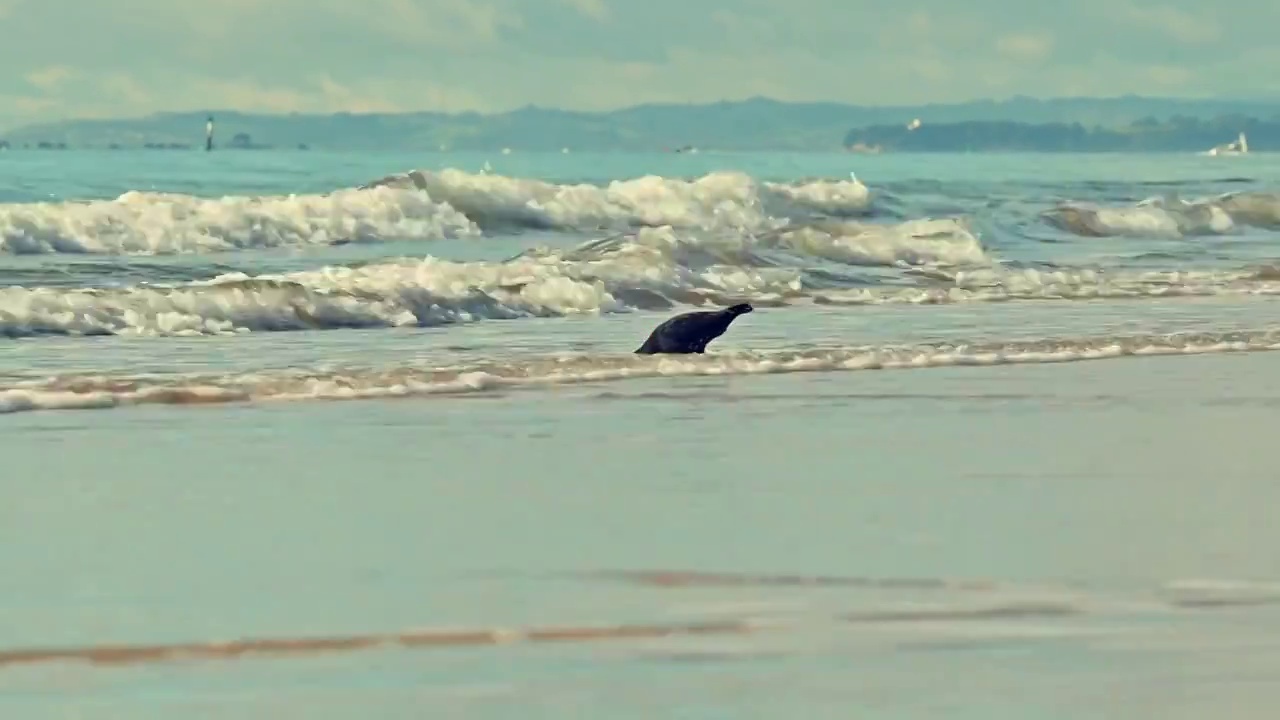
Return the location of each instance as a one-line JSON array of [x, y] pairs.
[[690, 332]]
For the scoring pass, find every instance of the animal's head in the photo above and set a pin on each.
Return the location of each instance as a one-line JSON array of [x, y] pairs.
[[739, 309]]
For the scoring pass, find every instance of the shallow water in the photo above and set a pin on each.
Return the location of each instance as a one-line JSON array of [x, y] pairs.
[[1001, 465]]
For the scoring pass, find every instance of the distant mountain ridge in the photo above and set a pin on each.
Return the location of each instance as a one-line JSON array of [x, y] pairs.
[[754, 124]]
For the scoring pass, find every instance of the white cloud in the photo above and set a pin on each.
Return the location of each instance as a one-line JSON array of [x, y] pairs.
[[131, 57], [594, 9], [49, 78], [447, 22], [1170, 76], [1183, 26], [1027, 47], [120, 95]]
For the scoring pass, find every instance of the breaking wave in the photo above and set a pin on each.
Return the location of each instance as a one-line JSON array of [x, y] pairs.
[[647, 243], [1169, 216], [653, 269], [418, 205]]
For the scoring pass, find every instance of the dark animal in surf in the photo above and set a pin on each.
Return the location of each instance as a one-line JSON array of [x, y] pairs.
[[690, 332]]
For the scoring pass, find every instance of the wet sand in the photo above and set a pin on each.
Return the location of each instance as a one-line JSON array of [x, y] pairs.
[[1083, 540]]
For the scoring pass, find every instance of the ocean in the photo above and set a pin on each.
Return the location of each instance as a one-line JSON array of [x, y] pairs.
[[308, 434]]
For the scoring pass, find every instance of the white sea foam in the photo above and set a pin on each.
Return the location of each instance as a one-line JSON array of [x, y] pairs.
[[719, 200], [944, 241], [714, 241], [89, 391], [1169, 216], [164, 224], [419, 205], [654, 270]]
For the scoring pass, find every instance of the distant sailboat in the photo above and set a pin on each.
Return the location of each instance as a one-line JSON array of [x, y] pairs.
[[1239, 147]]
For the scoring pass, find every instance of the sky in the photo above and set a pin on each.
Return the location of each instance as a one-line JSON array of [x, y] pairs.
[[124, 58]]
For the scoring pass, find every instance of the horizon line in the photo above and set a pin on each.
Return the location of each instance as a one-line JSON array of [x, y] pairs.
[[754, 99]]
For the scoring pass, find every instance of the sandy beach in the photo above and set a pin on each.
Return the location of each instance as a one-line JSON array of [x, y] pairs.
[[1035, 541]]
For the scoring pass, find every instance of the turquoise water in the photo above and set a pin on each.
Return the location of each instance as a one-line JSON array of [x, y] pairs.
[[247, 401]]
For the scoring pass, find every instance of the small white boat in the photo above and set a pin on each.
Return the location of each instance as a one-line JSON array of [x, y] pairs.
[[1239, 147]]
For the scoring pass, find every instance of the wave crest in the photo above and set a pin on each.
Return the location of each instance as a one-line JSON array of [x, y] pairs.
[[716, 201], [418, 205], [140, 223], [1169, 216], [654, 270]]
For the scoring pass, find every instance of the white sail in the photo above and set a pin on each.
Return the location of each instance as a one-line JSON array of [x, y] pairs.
[[1239, 147]]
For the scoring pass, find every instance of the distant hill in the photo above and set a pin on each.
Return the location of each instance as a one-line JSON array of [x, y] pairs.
[[755, 124]]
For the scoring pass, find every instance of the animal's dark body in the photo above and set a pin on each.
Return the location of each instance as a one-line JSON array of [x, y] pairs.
[[690, 332]]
